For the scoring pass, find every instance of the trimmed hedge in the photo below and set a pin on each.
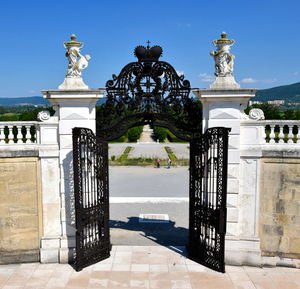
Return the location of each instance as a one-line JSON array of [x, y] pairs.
[[171, 154], [134, 133], [172, 138], [125, 154], [160, 133]]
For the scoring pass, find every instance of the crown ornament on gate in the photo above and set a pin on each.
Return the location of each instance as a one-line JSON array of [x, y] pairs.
[[148, 54]]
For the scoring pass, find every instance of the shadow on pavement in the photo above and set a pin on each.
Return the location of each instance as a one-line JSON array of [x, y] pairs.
[[164, 234]]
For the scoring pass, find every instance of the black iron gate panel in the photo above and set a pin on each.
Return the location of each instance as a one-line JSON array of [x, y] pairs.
[[90, 163], [208, 189]]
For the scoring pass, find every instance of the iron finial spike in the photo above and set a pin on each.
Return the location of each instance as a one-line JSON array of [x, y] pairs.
[[148, 44]]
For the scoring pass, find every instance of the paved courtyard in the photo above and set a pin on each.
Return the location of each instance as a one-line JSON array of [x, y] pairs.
[[147, 267], [134, 181], [148, 190]]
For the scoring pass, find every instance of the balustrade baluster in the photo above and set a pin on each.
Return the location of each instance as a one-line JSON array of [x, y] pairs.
[[297, 134], [2, 135], [290, 136], [19, 134], [10, 134], [281, 134], [37, 134], [272, 133], [28, 134]]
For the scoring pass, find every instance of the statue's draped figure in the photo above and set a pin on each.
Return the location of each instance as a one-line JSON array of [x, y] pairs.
[[73, 53], [77, 63], [223, 59]]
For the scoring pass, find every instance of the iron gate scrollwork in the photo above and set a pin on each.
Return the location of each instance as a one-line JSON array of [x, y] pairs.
[[90, 163], [208, 189], [150, 91]]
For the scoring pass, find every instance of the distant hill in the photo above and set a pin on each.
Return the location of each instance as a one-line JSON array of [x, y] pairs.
[[32, 100], [289, 93]]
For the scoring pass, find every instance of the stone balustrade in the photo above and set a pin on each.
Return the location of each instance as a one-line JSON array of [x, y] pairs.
[[19, 132], [27, 132], [253, 131], [270, 132], [282, 131]]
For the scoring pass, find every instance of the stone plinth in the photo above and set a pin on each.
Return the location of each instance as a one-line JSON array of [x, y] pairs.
[[73, 83], [227, 82], [74, 108]]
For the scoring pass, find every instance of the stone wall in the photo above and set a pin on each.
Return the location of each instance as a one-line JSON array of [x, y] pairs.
[[279, 224], [20, 210]]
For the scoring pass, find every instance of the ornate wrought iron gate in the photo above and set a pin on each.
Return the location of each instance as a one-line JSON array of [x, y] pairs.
[[208, 189], [90, 163], [150, 91]]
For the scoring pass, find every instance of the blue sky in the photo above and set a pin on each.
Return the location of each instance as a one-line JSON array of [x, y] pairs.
[[267, 35]]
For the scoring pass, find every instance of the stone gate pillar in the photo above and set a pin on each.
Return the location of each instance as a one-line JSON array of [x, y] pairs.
[[74, 108], [74, 104], [223, 105]]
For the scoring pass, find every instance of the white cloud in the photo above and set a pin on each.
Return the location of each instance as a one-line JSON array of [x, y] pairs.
[[296, 73], [180, 72], [32, 91], [248, 80], [205, 77]]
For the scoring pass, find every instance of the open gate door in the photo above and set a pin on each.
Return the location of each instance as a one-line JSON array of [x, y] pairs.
[[90, 163], [208, 189]]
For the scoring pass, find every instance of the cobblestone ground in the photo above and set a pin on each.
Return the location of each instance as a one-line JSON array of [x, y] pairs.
[[152, 267]]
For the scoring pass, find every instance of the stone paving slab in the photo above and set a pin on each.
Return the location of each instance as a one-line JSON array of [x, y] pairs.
[[151, 267]]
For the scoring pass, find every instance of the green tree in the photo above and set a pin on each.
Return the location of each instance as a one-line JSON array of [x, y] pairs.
[[290, 114], [9, 117]]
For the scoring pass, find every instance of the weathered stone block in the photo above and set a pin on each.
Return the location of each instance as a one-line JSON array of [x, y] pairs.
[[284, 244], [295, 245], [283, 220], [272, 230], [270, 244], [280, 208], [19, 210]]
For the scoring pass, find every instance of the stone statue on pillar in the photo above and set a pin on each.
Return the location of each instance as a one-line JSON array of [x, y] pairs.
[[223, 63], [77, 63]]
